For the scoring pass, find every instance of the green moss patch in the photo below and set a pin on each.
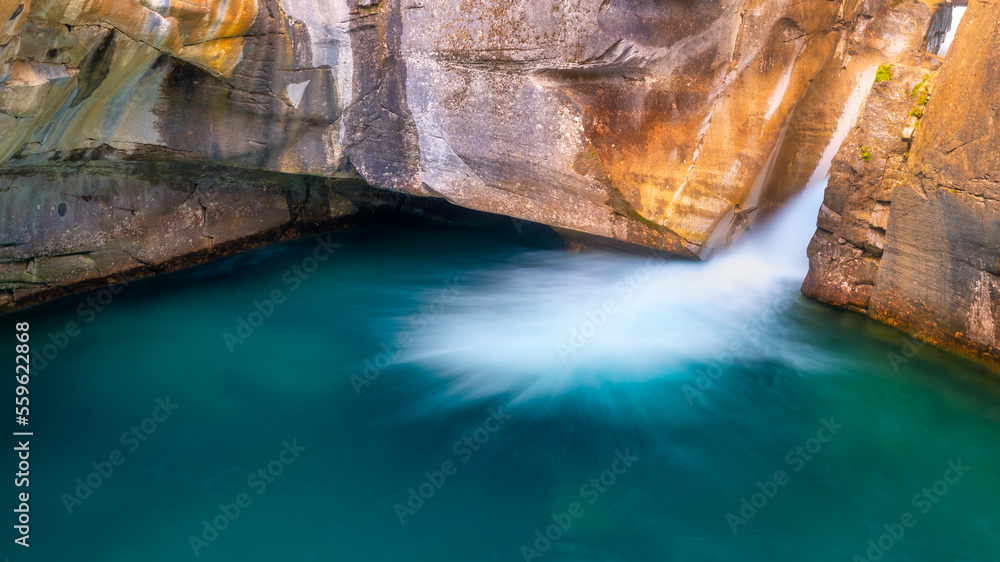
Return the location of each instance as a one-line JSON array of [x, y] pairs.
[[635, 215], [920, 86], [883, 74]]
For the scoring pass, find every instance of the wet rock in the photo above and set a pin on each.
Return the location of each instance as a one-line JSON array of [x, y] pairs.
[[672, 125], [938, 270], [854, 217]]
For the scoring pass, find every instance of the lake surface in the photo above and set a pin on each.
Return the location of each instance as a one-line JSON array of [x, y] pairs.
[[444, 393]]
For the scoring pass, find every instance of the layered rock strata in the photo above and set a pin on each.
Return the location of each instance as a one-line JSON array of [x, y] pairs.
[[673, 125], [912, 237]]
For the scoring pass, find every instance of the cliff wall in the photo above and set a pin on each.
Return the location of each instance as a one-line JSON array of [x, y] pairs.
[[912, 237]]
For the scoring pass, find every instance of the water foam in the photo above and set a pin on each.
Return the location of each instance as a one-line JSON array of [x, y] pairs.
[[549, 322]]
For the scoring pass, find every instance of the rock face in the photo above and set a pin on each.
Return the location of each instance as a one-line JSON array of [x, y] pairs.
[[846, 250], [666, 123], [913, 236]]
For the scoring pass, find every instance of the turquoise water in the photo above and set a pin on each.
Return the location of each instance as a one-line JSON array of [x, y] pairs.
[[693, 390]]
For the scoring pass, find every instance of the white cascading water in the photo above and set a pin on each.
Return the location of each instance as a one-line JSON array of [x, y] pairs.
[[539, 325], [956, 18]]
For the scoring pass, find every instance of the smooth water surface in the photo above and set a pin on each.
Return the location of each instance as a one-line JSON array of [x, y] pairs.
[[707, 387]]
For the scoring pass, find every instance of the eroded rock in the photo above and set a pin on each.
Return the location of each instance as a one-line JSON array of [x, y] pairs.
[[937, 276], [674, 125]]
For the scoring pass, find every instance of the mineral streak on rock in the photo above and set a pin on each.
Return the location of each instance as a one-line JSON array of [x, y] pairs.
[[669, 114], [208, 33]]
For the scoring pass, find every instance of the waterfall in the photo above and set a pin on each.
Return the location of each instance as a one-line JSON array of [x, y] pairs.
[[956, 18], [548, 322]]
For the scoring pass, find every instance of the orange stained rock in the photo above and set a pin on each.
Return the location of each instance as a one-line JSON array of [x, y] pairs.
[[206, 33], [12, 16], [219, 55], [205, 20], [7, 9]]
